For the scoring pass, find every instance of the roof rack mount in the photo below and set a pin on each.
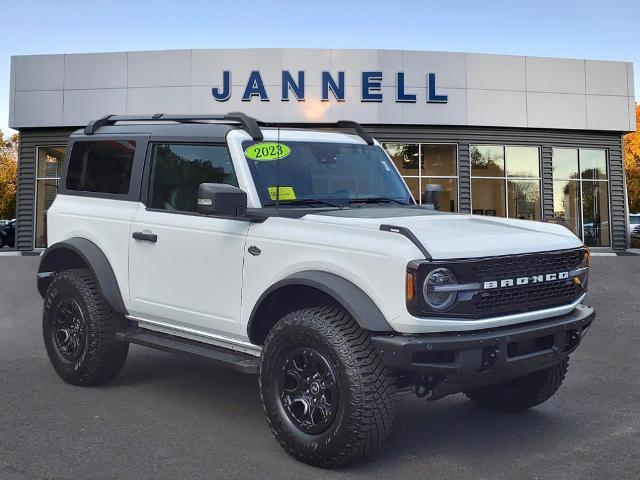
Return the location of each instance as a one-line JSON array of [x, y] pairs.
[[250, 124]]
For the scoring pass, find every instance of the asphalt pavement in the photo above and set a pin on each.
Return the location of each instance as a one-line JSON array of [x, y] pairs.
[[175, 417]]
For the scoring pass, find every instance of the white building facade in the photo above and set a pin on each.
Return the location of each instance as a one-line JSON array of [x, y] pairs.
[[524, 137]]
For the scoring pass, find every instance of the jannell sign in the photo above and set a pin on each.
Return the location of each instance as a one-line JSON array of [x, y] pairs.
[[371, 88]]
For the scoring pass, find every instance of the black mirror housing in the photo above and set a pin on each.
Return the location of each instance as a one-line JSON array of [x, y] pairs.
[[221, 200]]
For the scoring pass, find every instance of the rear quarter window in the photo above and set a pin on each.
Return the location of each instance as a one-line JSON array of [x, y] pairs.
[[101, 166]]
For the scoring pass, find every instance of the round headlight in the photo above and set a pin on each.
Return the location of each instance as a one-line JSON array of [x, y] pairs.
[[436, 298]]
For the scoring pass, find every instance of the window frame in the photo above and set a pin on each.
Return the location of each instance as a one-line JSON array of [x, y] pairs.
[[145, 190], [506, 177], [419, 176], [579, 180], [136, 168], [35, 186]]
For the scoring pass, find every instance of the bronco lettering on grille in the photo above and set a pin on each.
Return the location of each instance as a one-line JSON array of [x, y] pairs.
[[510, 282]]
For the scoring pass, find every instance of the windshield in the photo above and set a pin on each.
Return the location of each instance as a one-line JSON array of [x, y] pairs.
[[635, 220], [323, 174]]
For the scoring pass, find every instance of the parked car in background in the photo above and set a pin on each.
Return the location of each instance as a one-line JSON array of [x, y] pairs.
[[635, 233], [634, 221], [8, 234]]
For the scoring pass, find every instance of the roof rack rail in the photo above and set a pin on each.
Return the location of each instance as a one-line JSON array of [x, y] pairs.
[[250, 124], [361, 132]]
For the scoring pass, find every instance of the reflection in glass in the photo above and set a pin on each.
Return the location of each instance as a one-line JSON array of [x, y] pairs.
[[566, 204], [50, 161], [487, 161], [488, 197], [49, 168], [595, 213], [439, 160], [405, 156], [46, 191], [442, 193], [565, 163], [593, 164], [522, 161], [414, 186], [524, 199]]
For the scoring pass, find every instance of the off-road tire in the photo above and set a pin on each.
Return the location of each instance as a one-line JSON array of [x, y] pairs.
[[365, 410], [521, 393], [102, 356]]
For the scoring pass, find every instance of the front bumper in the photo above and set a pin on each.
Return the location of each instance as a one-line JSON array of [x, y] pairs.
[[461, 361]]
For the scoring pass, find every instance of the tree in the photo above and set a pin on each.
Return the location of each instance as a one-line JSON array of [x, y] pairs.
[[8, 175], [632, 166]]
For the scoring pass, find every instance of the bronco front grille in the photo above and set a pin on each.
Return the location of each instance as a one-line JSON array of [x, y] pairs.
[[531, 296], [507, 284]]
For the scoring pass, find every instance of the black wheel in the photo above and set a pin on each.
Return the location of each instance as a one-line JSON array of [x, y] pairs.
[[327, 396], [3, 241], [78, 328], [522, 393]]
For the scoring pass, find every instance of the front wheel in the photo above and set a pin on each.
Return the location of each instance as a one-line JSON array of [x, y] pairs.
[[327, 396], [521, 393]]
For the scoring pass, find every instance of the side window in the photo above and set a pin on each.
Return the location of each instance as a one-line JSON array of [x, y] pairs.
[[177, 170], [101, 166]]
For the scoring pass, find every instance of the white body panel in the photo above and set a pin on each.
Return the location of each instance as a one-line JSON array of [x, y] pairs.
[[192, 276], [106, 223]]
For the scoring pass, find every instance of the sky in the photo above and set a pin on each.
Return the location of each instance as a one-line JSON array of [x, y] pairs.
[[603, 30]]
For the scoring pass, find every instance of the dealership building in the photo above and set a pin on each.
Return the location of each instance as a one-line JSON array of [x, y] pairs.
[[521, 137]]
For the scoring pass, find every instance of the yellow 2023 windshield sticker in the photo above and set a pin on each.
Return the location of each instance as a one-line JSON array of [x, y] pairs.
[[267, 151], [286, 193]]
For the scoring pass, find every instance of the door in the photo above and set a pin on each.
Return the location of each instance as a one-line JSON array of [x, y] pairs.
[[186, 269]]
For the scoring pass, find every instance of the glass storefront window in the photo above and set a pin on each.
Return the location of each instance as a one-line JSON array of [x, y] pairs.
[[580, 193], [522, 162], [430, 170], [487, 161], [48, 174], [488, 197], [566, 204], [442, 193], [514, 190], [565, 163], [405, 156], [593, 164], [595, 214], [524, 199], [439, 161]]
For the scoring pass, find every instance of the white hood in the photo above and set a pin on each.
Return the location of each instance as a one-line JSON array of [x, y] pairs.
[[448, 236]]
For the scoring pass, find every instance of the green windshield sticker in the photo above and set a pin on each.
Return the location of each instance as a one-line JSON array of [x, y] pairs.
[[286, 193], [267, 151]]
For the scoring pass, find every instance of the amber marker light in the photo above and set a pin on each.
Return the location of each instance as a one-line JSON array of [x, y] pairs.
[[411, 287]]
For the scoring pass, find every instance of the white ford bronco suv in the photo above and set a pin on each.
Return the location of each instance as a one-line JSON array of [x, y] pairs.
[[296, 251]]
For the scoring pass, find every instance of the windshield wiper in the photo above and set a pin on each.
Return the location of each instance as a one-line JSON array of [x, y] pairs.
[[377, 200], [305, 201]]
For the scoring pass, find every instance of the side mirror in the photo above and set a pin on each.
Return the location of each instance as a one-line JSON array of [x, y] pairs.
[[222, 200]]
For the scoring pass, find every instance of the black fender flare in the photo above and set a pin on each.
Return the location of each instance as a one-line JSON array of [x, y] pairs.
[[359, 305], [81, 253]]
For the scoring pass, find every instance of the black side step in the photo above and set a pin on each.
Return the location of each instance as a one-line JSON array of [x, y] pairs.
[[242, 362]]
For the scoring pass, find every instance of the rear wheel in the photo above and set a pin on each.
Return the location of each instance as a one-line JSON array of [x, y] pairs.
[[521, 393], [79, 330], [327, 396]]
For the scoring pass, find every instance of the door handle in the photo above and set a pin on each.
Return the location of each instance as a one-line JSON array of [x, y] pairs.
[[145, 237]]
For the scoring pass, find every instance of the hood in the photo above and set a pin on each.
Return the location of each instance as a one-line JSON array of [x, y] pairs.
[[447, 236]]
